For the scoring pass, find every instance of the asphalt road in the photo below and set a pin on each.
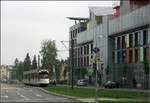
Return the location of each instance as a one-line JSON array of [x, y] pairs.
[[22, 93]]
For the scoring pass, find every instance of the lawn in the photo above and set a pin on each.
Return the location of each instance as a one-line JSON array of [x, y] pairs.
[[106, 101], [90, 92]]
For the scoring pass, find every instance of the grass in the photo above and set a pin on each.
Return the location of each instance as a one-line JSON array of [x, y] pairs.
[[106, 101], [90, 92]]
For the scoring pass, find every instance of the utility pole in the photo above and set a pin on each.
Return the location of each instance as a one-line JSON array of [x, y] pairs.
[[72, 65]]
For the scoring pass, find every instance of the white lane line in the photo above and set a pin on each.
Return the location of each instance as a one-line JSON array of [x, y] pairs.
[[38, 95], [4, 96], [22, 96]]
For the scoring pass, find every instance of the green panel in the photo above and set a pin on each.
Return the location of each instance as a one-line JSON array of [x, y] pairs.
[[148, 35], [133, 39], [141, 54], [116, 58]]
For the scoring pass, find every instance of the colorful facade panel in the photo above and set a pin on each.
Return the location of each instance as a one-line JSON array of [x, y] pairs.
[[133, 56], [127, 55], [127, 40], [141, 54]]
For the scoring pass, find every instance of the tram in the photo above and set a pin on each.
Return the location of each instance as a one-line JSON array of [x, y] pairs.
[[37, 77]]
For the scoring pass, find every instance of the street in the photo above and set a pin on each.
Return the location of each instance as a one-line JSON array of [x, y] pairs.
[[21, 93]]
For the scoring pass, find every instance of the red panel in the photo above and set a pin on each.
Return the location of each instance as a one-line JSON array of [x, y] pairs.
[[121, 42], [149, 53], [127, 55], [80, 61], [86, 60]]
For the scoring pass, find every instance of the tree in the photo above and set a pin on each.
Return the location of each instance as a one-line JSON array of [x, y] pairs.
[[83, 72], [48, 53], [16, 62], [125, 70], [34, 63], [58, 68], [27, 63], [107, 71], [19, 71], [146, 67]]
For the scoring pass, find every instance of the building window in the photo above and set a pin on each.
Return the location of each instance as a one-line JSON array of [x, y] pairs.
[[91, 48], [118, 43], [123, 42], [87, 49], [136, 38], [130, 40], [136, 55], [130, 55], [145, 37]]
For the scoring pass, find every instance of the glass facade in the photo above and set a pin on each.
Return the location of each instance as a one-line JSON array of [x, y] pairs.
[[136, 47]]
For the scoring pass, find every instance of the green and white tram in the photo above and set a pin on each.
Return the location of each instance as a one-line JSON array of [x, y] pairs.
[[38, 77]]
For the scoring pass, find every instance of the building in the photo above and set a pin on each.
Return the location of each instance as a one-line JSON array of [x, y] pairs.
[[130, 31], [5, 72], [122, 34]]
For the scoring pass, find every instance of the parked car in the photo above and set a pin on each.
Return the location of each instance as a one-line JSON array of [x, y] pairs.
[[111, 84], [53, 82], [81, 82]]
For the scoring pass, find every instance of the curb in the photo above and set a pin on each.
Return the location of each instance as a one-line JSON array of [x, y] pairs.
[[61, 95]]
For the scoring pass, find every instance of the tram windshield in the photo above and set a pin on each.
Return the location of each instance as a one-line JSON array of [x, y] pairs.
[[43, 75]]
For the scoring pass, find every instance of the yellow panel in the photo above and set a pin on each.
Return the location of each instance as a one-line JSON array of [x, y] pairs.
[[127, 42], [88, 25], [89, 59]]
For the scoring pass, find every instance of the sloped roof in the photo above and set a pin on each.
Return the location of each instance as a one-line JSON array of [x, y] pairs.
[[101, 11]]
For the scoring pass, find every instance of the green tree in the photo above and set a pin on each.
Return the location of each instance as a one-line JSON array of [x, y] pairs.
[[19, 71], [27, 63], [48, 54], [16, 62], [58, 68], [83, 72], [107, 70], [34, 63], [146, 67], [125, 70]]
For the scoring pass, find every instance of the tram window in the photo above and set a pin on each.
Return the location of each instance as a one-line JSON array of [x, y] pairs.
[[43, 75]]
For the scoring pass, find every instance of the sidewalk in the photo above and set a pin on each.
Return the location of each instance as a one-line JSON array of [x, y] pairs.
[[116, 99]]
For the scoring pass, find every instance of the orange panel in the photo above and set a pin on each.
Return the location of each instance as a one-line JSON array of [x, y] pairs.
[[127, 55], [133, 55]]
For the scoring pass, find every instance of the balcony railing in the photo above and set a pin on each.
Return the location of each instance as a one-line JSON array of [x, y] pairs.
[[134, 19], [88, 35]]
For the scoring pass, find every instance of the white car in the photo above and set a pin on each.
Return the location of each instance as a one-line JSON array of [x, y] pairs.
[[81, 82]]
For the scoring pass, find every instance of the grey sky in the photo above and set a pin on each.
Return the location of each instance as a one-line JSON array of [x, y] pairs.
[[25, 24]]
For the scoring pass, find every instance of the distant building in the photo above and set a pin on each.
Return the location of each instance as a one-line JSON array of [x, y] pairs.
[[5, 72]]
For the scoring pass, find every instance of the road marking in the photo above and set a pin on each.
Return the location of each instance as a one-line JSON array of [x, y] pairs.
[[22, 96], [38, 95], [30, 90], [4, 96]]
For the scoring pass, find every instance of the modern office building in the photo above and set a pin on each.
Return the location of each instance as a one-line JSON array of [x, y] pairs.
[[122, 34], [130, 31]]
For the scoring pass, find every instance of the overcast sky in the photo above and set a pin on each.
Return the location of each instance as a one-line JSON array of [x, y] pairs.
[[25, 24]]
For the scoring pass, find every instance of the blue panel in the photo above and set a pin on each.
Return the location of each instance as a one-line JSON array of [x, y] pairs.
[[141, 37], [120, 56], [116, 42]]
